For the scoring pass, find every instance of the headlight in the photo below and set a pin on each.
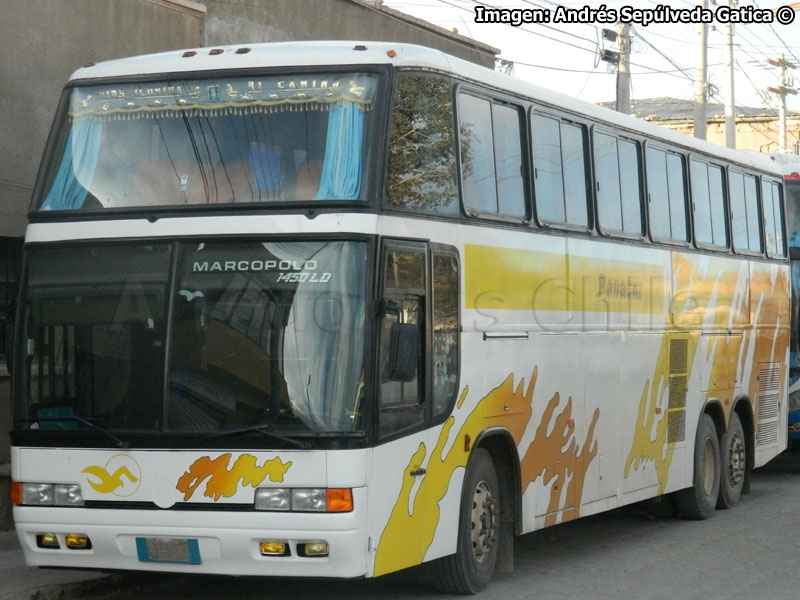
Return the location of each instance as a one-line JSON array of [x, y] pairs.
[[50, 494], [68, 494], [37, 494], [314, 499], [272, 499], [332, 500]]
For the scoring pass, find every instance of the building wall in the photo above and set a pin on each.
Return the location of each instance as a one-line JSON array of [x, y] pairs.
[[753, 133], [43, 42], [285, 20]]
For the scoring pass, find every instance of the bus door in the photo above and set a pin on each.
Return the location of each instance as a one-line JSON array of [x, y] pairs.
[[417, 381]]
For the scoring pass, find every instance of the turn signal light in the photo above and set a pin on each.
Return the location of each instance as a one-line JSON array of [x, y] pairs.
[[16, 493], [340, 500]]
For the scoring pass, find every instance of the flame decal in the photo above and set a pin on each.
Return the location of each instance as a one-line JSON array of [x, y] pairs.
[[547, 456], [222, 481]]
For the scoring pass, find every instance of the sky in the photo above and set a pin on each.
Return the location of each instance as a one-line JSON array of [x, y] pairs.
[[664, 59]]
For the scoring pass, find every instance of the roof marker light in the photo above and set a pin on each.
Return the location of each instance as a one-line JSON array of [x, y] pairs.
[[360, 47], [216, 51], [391, 53], [242, 50], [189, 53], [89, 64]]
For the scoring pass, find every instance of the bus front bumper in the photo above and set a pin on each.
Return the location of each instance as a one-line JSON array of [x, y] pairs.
[[227, 543]]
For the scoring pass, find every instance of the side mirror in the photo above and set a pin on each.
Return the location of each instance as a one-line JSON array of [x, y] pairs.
[[403, 352]]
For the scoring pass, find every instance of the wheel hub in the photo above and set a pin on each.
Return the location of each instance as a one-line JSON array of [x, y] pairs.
[[484, 522], [736, 461]]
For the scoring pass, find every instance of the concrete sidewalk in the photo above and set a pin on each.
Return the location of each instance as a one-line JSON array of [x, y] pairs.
[[19, 582]]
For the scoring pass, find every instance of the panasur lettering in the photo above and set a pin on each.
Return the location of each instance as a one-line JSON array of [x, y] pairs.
[[626, 14], [253, 265]]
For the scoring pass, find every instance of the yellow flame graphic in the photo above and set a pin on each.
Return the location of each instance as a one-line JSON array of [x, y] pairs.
[[222, 481]]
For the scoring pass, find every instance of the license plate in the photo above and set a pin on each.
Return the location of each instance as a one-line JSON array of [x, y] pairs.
[[168, 550]]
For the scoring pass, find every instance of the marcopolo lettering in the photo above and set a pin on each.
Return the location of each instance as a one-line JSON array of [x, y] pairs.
[[219, 266]]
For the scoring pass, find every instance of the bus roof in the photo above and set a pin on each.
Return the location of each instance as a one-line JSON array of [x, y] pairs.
[[788, 163], [337, 53]]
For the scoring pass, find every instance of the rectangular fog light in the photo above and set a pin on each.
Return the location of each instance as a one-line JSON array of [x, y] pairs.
[[47, 540], [274, 548], [313, 549], [78, 541]]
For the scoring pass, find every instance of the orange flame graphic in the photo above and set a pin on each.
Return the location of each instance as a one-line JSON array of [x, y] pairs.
[[225, 482]]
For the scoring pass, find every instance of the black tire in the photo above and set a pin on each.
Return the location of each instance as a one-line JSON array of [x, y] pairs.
[[469, 570], [699, 501], [733, 459]]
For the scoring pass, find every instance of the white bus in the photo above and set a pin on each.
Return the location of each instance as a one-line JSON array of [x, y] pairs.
[[338, 309]]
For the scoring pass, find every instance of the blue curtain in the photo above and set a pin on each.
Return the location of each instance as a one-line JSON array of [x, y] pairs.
[[76, 170], [341, 170]]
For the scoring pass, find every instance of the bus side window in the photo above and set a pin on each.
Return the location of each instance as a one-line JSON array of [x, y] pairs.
[[667, 195], [490, 139], [709, 204], [422, 159], [401, 400], [559, 151], [619, 203], [771, 203], [445, 330], [744, 212]]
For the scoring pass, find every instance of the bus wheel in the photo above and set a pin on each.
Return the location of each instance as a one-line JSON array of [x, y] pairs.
[[471, 567], [700, 500], [733, 454]]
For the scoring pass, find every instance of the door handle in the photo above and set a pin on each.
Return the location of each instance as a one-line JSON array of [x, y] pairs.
[[418, 472]]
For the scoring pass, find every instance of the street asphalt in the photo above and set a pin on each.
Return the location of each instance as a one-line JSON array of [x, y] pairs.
[[20, 582]]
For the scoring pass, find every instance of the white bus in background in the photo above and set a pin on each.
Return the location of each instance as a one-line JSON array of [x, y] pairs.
[[790, 165], [335, 310]]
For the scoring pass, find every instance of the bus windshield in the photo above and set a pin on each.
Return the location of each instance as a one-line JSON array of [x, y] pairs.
[[243, 334], [213, 141]]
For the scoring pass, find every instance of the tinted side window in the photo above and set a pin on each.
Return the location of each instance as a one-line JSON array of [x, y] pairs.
[[618, 192], [422, 159], [744, 212], [709, 204], [549, 181], [508, 160], [773, 218], [477, 153], [677, 196], [445, 330], [559, 160], [630, 186], [491, 157], [667, 195], [401, 400]]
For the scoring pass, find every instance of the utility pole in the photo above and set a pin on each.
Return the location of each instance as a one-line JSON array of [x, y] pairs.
[[624, 68], [730, 101], [782, 91], [700, 123]]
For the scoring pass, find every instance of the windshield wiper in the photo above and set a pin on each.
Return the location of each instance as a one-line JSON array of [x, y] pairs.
[[262, 429], [119, 442]]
